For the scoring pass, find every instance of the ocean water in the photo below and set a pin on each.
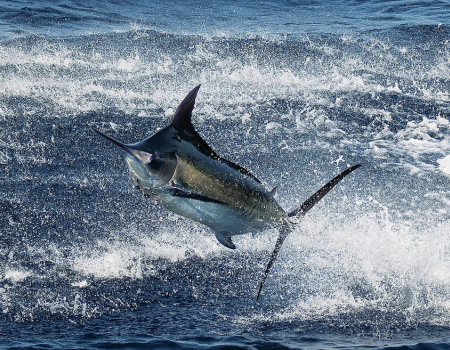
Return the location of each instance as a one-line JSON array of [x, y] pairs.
[[295, 91]]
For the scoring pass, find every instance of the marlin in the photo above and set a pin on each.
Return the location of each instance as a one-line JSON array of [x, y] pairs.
[[182, 173]]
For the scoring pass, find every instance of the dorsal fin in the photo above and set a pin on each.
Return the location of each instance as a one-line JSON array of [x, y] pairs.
[[182, 121], [183, 115], [193, 137]]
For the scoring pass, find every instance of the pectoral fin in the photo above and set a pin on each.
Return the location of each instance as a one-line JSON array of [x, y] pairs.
[[176, 192]]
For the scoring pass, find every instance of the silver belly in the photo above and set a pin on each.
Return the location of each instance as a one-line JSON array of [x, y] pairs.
[[218, 217]]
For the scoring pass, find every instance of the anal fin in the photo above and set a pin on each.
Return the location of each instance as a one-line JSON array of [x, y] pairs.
[[225, 239], [274, 191]]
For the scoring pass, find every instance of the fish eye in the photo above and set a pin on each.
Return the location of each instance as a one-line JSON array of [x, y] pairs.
[[151, 158], [148, 158]]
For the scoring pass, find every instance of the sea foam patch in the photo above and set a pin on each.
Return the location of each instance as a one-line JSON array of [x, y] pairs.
[[444, 164]]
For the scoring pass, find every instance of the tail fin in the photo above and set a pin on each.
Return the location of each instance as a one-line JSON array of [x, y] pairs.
[[299, 213]]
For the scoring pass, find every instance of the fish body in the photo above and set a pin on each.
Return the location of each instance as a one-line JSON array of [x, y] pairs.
[[181, 172], [201, 187], [230, 204]]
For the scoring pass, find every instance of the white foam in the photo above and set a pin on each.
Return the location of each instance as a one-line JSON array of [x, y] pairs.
[[444, 164], [129, 65], [115, 262], [141, 253], [4, 158], [115, 258], [80, 82], [80, 284], [15, 275]]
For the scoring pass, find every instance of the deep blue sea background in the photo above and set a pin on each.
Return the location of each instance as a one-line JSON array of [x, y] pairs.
[[295, 91]]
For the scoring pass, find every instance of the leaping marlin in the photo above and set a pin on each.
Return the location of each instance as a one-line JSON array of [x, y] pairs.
[[179, 170]]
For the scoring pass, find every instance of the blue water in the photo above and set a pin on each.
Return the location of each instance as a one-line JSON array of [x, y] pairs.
[[293, 91]]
